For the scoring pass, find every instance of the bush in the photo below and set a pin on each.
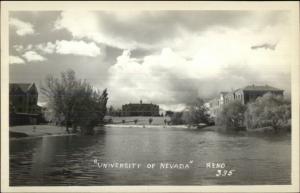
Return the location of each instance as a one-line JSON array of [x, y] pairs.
[[196, 113], [176, 118], [269, 111], [232, 116]]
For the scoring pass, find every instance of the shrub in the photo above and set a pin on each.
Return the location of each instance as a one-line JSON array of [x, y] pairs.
[[269, 111], [196, 113], [176, 118], [232, 115]]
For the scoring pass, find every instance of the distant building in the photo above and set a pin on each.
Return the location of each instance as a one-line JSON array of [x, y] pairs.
[[245, 95], [252, 92], [140, 109], [23, 97], [23, 104]]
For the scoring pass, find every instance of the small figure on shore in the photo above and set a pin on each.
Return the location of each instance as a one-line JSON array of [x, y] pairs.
[[150, 121], [166, 123]]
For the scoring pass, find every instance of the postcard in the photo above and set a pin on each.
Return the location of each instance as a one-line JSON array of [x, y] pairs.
[[150, 96]]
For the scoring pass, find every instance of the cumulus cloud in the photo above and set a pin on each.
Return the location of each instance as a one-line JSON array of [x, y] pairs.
[[201, 66], [48, 47], [83, 24], [77, 48], [16, 60], [32, 56], [74, 47], [168, 57], [22, 28], [18, 48], [156, 29]]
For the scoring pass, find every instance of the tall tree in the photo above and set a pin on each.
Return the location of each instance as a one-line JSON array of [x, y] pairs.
[[75, 102]]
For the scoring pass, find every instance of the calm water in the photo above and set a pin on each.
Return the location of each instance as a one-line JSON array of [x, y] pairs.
[[69, 160]]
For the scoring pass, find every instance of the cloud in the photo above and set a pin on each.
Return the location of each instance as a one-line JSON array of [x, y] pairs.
[[201, 66], [164, 57], [32, 56], [156, 29], [74, 47], [77, 48], [18, 48], [48, 47], [265, 46], [22, 28], [84, 24], [16, 60]]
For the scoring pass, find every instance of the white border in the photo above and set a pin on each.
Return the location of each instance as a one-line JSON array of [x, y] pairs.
[[146, 5]]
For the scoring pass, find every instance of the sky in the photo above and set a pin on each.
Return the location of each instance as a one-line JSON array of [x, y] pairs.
[[164, 57]]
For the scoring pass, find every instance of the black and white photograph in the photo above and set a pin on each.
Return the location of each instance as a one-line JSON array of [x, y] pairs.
[[144, 97]]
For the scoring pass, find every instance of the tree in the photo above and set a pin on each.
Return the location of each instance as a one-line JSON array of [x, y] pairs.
[[75, 102], [232, 115], [269, 110], [176, 118], [169, 113], [196, 113], [111, 111]]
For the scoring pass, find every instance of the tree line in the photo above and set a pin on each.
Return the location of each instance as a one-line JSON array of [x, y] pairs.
[[267, 111]]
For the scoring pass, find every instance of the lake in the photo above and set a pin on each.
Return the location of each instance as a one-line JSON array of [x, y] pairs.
[[203, 155]]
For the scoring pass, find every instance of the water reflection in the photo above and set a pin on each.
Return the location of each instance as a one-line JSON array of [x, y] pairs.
[[69, 160]]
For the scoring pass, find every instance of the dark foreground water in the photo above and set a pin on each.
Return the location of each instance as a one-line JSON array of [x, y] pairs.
[[73, 160]]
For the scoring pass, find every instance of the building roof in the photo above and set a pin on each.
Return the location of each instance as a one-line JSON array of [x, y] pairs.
[[260, 88], [23, 86], [223, 92], [140, 104]]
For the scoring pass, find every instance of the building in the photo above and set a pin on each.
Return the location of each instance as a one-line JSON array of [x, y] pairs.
[[244, 95], [23, 97], [252, 92], [140, 109], [23, 106]]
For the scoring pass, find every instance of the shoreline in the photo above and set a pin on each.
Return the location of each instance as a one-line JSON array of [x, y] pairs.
[[35, 131], [145, 126]]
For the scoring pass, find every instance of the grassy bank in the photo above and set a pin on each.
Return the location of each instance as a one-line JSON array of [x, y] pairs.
[[44, 130], [36, 130], [139, 120]]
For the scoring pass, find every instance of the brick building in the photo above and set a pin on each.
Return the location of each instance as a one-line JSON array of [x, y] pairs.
[[23, 108], [252, 92], [245, 95], [140, 109]]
